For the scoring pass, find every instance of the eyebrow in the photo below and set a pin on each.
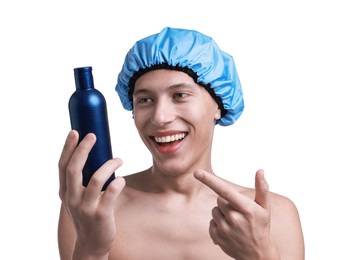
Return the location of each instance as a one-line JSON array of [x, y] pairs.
[[171, 87]]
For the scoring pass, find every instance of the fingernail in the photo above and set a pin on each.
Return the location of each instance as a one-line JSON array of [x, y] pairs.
[[198, 174], [71, 135], [90, 137], [118, 160]]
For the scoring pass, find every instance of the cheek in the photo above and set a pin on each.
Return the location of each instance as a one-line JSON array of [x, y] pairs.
[[138, 120], [202, 113], [140, 125]]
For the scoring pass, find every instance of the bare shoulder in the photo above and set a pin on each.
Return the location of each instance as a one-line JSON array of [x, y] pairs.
[[283, 207], [286, 229], [136, 188], [283, 210], [135, 180], [279, 203]]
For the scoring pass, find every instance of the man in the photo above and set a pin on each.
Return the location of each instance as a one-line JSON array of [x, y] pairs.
[[179, 85]]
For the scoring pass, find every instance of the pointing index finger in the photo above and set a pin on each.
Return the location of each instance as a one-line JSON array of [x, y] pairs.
[[223, 189]]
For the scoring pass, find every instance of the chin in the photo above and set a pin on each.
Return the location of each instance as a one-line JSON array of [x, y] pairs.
[[172, 169]]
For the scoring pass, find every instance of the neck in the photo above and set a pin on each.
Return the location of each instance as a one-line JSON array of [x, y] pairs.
[[176, 183]]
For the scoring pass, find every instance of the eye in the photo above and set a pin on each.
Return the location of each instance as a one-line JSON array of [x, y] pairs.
[[180, 95], [144, 100]]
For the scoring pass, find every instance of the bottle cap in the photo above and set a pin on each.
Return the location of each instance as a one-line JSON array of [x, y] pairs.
[[84, 78]]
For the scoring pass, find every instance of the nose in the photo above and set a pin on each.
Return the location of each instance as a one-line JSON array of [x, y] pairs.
[[163, 113]]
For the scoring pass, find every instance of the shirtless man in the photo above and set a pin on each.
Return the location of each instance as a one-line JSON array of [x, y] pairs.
[[179, 85]]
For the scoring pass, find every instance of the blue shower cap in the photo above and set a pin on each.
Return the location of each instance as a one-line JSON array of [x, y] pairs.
[[193, 53]]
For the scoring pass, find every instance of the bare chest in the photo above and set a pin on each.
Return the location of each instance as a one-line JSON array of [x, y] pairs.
[[155, 233]]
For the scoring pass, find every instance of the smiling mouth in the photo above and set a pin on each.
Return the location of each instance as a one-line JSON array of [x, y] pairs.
[[168, 139]]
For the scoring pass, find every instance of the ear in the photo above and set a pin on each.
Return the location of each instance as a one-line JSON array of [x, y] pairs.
[[217, 115]]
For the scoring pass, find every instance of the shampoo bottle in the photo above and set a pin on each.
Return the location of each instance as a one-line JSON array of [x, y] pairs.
[[88, 114]]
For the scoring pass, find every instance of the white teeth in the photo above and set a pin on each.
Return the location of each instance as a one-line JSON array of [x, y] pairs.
[[169, 138]]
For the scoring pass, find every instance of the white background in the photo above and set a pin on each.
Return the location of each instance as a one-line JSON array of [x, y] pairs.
[[288, 55]]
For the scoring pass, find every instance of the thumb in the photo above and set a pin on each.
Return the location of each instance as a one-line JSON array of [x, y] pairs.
[[261, 190]]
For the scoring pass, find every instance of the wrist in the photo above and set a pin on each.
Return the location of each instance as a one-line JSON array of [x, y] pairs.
[[83, 253], [269, 253]]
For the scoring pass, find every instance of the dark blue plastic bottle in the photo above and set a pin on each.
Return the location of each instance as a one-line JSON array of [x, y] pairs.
[[88, 114]]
